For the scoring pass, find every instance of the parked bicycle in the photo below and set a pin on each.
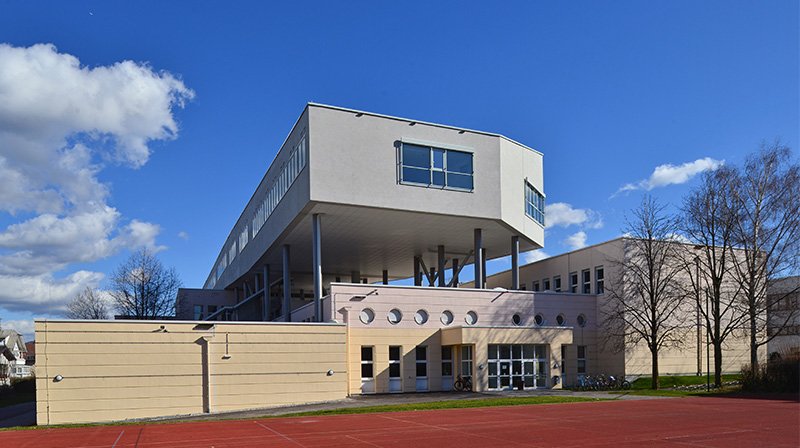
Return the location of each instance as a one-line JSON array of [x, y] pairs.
[[463, 384], [602, 382]]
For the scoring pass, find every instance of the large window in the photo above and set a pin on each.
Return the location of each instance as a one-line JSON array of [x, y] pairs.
[[599, 278], [573, 282], [534, 203], [587, 281], [435, 167], [581, 359], [557, 283], [514, 365]]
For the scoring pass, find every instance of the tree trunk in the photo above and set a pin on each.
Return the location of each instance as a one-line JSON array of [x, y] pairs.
[[718, 364], [753, 342], [654, 373]]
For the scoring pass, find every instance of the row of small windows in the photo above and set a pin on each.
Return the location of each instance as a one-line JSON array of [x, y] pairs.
[[436, 167], [288, 173], [561, 320], [534, 203], [582, 284], [395, 316]]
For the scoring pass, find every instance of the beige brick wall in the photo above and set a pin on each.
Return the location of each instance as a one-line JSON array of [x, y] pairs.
[[127, 370]]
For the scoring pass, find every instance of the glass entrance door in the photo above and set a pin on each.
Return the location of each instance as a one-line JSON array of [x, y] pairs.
[[512, 365]]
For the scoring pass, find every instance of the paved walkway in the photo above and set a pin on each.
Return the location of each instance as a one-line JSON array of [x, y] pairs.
[[674, 423]]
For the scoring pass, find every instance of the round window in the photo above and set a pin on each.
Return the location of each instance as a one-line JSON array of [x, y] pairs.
[[581, 320], [539, 319], [472, 318], [366, 316], [516, 319], [395, 316], [560, 319], [447, 317], [420, 317]]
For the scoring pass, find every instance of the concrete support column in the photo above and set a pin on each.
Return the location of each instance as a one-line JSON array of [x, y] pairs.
[[417, 272], [478, 259], [316, 231], [440, 267], [454, 281], [385, 277], [287, 285], [266, 305], [515, 262], [483, 263]]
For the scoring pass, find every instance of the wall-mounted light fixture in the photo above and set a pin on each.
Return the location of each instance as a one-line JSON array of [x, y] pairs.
[[57, 378], [329, 372]]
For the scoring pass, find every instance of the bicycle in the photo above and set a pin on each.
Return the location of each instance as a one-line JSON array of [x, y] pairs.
[[463, 384]]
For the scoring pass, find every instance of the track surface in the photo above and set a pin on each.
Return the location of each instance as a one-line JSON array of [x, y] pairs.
[[677, 422]]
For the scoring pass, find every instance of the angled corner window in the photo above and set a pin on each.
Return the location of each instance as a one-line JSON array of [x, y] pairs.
[[534, 203], [435, 167]]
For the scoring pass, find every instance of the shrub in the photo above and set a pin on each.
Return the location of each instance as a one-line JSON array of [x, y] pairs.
[[779, 374]]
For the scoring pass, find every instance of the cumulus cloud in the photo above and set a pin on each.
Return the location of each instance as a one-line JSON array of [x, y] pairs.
[[669, 174], [561, 214], [183, 235], [61, 123], [23, 327], [535, 255], [576, 241]]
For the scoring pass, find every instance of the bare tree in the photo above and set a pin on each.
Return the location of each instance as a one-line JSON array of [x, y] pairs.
[[708, 220], [87, 305], [142, 288], [766, 234], [646, 304]]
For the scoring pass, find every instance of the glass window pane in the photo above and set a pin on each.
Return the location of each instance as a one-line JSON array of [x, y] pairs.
[[493, 383], [418, 156], [516, 351], [438, 158], [422, 353], [447, 352], [516, 368], [527, 351], [459, 180], [366, 353], [394, 353], [505, 352], [366, 370], [422, 369], [504, 381], [394, 370], [492, 351], [447, 369], [438, 178], [416, 175], [460, 162], [492, 368]]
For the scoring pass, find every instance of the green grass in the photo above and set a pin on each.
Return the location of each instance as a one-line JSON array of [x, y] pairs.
[[16, 398], [449, 404], [669, 382], [678, 393]]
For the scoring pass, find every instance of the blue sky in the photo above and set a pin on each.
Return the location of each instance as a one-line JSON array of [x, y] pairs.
[[608, 91]]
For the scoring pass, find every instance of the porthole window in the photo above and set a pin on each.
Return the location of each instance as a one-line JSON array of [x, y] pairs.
[[366, 316], [539, 319], [395, 316], [516, 319], [560, 320], [447, 317], [581, 320], [420, 317], [472, 318]]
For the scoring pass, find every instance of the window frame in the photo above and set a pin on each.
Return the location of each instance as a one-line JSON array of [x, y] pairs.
[[599, 280], [536, 201], [586, 280], [431, 167], [573, 282]]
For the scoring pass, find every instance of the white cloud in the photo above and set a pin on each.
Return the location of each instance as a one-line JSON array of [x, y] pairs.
[[534, 256], [60, 123], [22, 326], [669, 174], [576, 241], [183, 235], [562, 214]]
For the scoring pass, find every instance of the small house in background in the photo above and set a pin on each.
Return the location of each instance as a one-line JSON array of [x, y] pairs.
[[30, 355], [13, 357]]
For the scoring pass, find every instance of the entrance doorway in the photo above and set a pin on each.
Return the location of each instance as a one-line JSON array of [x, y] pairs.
[[512, 365]]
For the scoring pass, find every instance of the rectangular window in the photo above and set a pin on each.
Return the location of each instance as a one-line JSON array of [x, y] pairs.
[[422, 361], [587, 281], [557, 283], [212, 309], [447, 361], [394, 362], [581, 359], [563, 362], [534, 203], [573, 282], [366, 363], [198, 312], [466, 361], [435, 167], [599, 277], [535, 286], [546, 283]]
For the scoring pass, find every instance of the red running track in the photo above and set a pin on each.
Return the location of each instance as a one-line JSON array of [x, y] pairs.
[[676, 422]]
